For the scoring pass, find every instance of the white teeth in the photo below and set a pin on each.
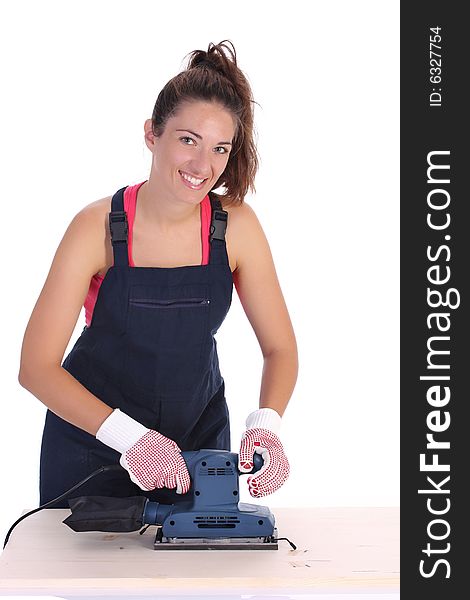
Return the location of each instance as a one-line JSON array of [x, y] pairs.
[[192, 180]]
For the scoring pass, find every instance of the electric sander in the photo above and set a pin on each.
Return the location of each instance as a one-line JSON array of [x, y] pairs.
[[209, 516]]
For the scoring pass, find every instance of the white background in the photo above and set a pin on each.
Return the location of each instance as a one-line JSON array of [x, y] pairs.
[[79, 80]]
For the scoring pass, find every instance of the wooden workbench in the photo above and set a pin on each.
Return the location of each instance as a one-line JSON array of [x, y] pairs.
[[342, 550]]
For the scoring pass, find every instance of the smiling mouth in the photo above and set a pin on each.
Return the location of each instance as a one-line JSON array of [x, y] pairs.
[[194, 182]]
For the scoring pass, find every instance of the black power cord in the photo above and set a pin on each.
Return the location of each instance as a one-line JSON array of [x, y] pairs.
[[61, 497], [294, 547]]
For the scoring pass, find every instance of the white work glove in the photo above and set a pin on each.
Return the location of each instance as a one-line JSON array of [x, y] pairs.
[[261, 436], [151, 459]]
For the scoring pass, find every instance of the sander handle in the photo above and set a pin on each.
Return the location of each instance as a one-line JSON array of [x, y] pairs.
[[190, 455], [258, 462]]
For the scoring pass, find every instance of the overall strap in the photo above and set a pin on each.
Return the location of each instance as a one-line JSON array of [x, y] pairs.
[[218, 250], [119, 229]]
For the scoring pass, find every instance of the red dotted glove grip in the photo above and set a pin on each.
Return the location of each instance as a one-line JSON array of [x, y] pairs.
[[155, 461], [275, 469]]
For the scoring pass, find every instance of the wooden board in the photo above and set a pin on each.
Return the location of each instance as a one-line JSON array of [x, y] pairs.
[[338, 549]]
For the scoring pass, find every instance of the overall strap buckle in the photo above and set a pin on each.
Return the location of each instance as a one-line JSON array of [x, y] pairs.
[[218, 225], [118, 226]]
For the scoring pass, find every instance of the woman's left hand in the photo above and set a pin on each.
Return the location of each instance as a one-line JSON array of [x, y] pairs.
[[261, 437]]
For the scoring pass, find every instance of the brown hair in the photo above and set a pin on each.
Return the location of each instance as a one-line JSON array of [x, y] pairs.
[[213, 76]]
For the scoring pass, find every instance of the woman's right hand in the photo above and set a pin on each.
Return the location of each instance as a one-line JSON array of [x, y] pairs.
[[151, 459]]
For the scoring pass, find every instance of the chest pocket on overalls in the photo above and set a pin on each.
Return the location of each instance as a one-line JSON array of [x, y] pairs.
[[168, 329]]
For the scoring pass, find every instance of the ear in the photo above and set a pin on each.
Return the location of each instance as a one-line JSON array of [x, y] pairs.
[[149, 135]]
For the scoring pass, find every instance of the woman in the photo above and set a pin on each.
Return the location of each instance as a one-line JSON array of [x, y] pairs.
[[154, 266]]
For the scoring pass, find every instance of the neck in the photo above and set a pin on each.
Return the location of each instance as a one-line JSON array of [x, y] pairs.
[[162, 212]]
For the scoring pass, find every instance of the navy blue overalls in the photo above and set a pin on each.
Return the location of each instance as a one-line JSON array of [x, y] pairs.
[[149, 351]]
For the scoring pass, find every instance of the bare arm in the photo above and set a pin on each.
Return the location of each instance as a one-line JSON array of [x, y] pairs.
[[260, 294], [81, 253]]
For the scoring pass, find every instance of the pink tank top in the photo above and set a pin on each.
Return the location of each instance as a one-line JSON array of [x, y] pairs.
[[130, 199]]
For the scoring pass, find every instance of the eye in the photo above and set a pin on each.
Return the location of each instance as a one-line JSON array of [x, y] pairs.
[[186, 138], [225, 151]]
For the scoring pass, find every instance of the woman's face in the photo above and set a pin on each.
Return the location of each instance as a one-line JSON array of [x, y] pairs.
[[193, 151]]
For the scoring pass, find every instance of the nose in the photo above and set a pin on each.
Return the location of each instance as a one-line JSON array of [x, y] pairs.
[[200, 165]]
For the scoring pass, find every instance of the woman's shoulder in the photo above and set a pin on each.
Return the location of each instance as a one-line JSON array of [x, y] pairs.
[[242, 220], [98, 209], [90, 227], [241, 215], [244, 234], [92, 219]]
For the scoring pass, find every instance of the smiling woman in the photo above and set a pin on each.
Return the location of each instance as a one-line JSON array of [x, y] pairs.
[[196, 160], [155, 265]]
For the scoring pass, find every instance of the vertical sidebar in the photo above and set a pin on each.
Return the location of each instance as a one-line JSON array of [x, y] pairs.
[[434, 306]]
